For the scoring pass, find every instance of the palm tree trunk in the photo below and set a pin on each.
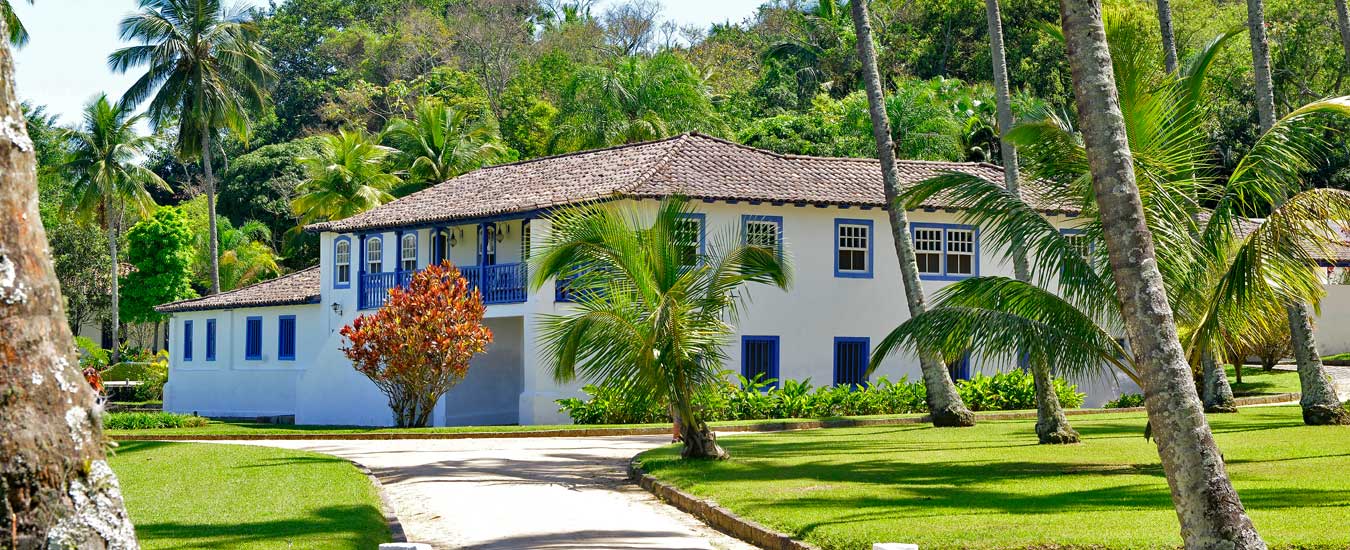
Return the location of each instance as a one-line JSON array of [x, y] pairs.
[[699, 440], [59, 490], [1343, 16], [210, 182], [1319, 401], [115, 313], [1218, 394], [1052, 427], [1169, 39], [944, 404], [1210, 512], [1051, 424]]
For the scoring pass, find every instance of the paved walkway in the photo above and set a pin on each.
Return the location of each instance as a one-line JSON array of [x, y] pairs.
[[1340, 378], [560, 493]]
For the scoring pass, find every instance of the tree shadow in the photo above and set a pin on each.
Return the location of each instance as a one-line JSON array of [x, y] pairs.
[[341, 526]]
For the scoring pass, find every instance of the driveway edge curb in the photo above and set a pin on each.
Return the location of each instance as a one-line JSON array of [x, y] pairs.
[[714, 515], [396, 533]]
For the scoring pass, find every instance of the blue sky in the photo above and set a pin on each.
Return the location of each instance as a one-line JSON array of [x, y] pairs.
[[64, 64]]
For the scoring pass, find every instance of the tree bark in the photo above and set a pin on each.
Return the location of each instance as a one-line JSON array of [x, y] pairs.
[[944, 404], [1209, 510], [700, 442], [1052, 427], [1169, 39], [210, 181], [1343, 17], [1319, 401], [111, 221], [59, 490], [1218, 394]]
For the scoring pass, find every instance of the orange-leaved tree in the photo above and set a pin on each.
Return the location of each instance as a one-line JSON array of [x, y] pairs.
[[418, 346]]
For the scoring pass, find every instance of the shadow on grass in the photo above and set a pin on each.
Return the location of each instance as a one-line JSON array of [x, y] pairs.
[[363, 526]]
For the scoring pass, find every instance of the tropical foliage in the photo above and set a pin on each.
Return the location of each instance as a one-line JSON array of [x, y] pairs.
[[418, 346], [650, 318], [443, 142], [347, 176], [159, 249]]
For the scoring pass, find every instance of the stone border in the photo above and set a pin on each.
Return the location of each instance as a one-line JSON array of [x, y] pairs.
[[396, 533], [714, 515], [764, 426], [722, 519]]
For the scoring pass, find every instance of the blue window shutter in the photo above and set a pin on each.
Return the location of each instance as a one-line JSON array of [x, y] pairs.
[[759, 358], [187, 340], [850, 361], [210, 339], [286, 338], [253, 338]]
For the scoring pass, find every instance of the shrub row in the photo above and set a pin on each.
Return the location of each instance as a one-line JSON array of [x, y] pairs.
[[762, 400], [150, 420]]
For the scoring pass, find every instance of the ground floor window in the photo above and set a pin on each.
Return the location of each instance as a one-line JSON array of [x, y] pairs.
[[960, 368], [850, 361], [187, 340], [210, 339], [253, 338], [759, 358], [286, 338]]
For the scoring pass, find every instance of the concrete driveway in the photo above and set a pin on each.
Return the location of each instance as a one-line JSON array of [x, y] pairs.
[[561, 493]]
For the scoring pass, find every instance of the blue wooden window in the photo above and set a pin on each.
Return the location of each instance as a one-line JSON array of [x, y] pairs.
[[407, 253], [759, 358], [690, 237], [342, 262], [210, 339], [850, 361], [187, 340], [374, 255], [853, 248], [286, 338], [946, 252], [253, 338], [960, 368], [763, 231]]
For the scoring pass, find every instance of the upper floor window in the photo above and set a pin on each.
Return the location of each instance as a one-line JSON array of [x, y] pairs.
[[852, 248], [763, 231], [945, 251], [408, 252], [1078, 241], [525, 241], [688, 238], [488, 254], [342, 262], [374, 255], [440, 241]]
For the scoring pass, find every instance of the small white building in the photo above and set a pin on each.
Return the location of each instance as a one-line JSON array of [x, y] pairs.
[[273, 348]]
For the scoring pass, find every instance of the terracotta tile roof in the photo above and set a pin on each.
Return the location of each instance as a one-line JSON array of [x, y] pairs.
[[301, 287], [693, 165]]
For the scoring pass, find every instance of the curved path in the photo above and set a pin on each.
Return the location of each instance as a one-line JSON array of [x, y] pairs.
[[559, 493]]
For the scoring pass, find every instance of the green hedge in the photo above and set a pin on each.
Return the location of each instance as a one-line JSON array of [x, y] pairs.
[[756, 400], [150, 420]]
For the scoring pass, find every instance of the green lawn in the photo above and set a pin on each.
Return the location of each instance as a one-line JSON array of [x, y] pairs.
[[991, 486], [201, 495], [1258, 382]]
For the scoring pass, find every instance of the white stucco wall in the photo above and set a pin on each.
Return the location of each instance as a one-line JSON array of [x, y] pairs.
[[1332, 325]]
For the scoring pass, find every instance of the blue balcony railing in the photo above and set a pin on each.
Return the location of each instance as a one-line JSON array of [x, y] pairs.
[[499, 284]]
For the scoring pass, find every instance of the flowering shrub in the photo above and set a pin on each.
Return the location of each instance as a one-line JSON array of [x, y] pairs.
[[418, 346]]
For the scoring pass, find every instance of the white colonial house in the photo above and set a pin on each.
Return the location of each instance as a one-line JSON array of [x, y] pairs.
[[272, 349]]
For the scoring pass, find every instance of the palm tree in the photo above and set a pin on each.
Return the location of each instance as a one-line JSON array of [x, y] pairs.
[[1343, 17], [1319, 401], [1052, 426], [245, 257], [18, 35], [106, 179], [1169, 39], [646, 319], [347, 177], [944, 404], [444, 142], [205, 70], [636, 100]]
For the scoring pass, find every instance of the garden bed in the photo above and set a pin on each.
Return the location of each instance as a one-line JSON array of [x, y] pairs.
[[991, 486]]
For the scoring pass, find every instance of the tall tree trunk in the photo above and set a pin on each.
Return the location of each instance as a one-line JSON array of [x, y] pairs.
[[210, 178], [1343, 16], [1319, 401], [1169, 38], [58, 489], [110, 220], [1210, 513], [944, 404], [1051, 424], [1218, 394]]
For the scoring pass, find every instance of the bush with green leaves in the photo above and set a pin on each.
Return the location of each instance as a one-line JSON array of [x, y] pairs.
[[150, 420], [1012, 390], [1125, 401]]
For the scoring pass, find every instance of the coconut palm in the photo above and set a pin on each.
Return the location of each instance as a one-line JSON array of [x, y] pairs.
[[205, 70], [348, 176], [1343, 18], [636, 100], [18, 35], [1169, 38], [944, 404], [1319, 401], [105, 177], [443, 142], [646, 318]]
